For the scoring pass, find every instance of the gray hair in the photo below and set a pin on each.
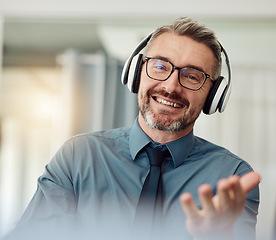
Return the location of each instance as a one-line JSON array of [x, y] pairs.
[[198, 32]]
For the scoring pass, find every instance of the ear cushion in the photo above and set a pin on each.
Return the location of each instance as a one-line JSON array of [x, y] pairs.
[[216, 94], [135, 73]]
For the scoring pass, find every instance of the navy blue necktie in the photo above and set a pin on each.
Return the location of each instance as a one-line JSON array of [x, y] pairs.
[[150, 201]]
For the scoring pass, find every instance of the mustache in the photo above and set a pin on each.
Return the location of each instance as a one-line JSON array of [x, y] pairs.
[[173, 96]]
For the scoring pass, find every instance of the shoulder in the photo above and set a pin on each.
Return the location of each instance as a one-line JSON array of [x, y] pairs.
[[91, 148], [205, 146], [113, 135], [88, 144], [220, 157]]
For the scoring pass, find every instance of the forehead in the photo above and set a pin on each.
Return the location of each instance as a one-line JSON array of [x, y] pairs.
[[182, 51]]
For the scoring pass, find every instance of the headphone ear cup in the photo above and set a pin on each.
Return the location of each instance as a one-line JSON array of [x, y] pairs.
[[135, 73], [224, 100], [132, 67], [216, 94]]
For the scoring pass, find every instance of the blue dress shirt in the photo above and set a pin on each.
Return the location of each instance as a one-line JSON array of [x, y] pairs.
[[97, 179]]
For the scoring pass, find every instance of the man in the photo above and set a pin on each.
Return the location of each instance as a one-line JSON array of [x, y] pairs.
[[96, 180]]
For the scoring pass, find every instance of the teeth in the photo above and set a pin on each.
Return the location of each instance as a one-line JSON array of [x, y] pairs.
[[175, 105]]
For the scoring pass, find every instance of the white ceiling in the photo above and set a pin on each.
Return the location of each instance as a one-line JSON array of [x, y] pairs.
[[110, 9], [36, 31]]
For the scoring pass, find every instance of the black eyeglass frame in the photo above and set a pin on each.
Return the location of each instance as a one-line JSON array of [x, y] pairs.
[[177, 68]]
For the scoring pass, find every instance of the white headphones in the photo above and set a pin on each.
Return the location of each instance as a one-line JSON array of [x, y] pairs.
[[218, 95]]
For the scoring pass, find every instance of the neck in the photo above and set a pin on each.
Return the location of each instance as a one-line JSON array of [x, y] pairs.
[[161, 136]]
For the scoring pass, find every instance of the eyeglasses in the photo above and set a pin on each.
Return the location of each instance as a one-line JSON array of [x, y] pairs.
[[188, 77]]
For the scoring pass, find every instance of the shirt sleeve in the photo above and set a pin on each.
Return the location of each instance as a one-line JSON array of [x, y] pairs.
[[245, 226], [53, 205]]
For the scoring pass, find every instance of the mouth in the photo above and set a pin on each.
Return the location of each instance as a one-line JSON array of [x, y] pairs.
[[167, 103]]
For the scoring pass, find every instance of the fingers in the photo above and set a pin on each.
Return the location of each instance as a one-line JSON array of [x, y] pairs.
[[191, 211], [237, 194], [250, 181], [206, 199], [205, 196], [231, 192], [231, 196], [188, 205], [218, 212], [224, 196], [237, 188]]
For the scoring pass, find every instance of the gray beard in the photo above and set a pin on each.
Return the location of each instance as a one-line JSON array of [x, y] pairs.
[[175, 126], [159, 121]]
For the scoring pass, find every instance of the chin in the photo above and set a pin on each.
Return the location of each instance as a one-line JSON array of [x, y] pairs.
[[164, 124]]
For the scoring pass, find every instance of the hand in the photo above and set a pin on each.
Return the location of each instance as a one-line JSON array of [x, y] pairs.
[[218, 213]]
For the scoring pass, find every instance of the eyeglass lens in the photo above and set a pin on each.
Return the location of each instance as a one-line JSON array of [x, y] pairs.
[[161, 70]]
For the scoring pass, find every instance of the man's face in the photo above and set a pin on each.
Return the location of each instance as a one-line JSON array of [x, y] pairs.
[[166, 105]]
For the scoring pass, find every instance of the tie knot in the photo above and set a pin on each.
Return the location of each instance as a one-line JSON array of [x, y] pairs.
[[156, 156]]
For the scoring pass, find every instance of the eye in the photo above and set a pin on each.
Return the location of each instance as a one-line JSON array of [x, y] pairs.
[[191, 75], [160, 66]]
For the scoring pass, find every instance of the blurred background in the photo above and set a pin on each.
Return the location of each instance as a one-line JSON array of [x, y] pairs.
[[60, 66]]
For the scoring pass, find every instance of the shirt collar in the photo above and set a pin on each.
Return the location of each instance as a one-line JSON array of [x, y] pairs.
[[179, 149], [137, 139]]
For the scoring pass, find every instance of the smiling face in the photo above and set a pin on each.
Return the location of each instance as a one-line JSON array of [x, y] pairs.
[[167, 110]]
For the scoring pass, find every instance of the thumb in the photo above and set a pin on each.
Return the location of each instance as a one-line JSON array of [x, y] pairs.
[[250, 180]]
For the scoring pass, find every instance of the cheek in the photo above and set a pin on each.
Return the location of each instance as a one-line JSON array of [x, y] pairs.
[[146, 83], [144, 87], [142, 80], [204, 92], [197, 99]]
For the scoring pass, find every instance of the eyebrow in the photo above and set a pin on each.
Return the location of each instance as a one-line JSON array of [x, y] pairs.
[[190, 65]]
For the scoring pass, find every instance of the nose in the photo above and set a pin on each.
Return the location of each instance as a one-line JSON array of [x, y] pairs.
[[172, 83]]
